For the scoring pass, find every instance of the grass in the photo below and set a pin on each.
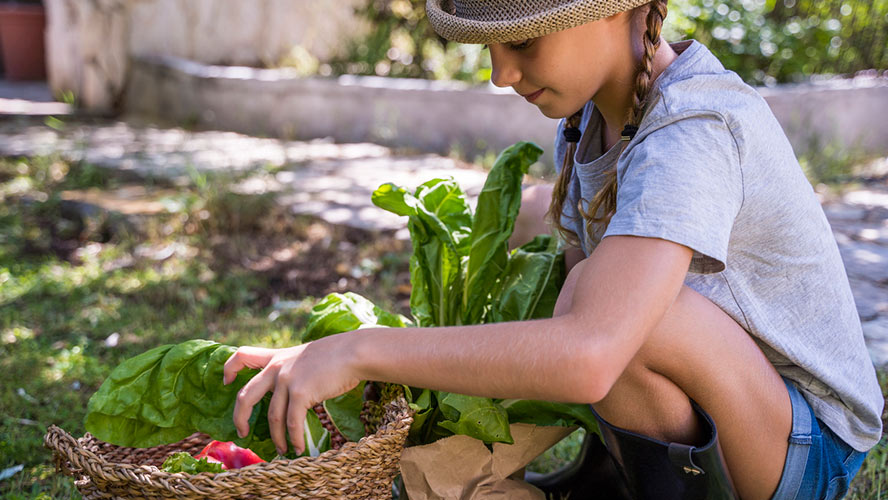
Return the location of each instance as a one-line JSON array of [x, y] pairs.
[[871, 482], [79, 293]]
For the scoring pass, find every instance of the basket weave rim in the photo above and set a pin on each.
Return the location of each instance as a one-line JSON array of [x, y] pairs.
[[536, 18], [72, 456]]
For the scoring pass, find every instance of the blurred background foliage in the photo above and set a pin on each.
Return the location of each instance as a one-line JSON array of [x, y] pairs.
[[764, 41], [771, 41]]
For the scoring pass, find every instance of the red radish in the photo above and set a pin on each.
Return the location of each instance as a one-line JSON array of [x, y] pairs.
[[229, 455]]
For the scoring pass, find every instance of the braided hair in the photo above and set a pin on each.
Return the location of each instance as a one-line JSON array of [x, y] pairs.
[[606, 198]]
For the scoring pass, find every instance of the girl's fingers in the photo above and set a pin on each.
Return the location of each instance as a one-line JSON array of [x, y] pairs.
[[277, 417], [245, 357], [248, 396], [296, 420]]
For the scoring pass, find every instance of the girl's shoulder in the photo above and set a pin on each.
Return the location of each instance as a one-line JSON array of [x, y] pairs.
[[697, 84]]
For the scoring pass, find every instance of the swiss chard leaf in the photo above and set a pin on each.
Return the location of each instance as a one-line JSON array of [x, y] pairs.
[[168, 393], [439, 223], [317, 438], [494, 221], [163, 395], [344, 312], [425, 407], [550, 413], [480, 418], [530, 285], [345, 410]]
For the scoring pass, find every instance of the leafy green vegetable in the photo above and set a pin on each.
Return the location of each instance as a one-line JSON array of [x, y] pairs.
[[473, 416], [168, 393], [529, 287], [462, 273], [338, 313], [345, 410], [494, 221], [550, 413], [440, 229], [183, 462], [317, 438]]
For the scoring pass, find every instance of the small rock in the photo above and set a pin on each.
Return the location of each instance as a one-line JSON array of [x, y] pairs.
[[867, 261], [112, 340], [867, 197], [871, 299], [876, 334], [844, 212]]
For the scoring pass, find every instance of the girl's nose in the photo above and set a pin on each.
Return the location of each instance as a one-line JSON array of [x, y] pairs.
[[504, 71]]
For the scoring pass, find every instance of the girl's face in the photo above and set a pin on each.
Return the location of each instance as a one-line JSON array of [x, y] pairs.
[[570, 66]]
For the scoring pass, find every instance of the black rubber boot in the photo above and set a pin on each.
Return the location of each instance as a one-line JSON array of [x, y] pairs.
[[656, 470], [593, 475]]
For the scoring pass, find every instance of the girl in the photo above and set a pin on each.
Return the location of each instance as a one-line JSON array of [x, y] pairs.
[[706, 290]]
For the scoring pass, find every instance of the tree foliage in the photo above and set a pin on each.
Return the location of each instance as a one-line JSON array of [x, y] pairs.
[[770, 41], [764, 41]]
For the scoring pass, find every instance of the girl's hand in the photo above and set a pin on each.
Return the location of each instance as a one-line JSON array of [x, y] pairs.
[[300, 376]]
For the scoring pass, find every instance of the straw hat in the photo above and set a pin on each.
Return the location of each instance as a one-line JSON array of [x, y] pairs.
[[498, 21]]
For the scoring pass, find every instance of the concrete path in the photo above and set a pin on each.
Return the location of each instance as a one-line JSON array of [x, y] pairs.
[[335, 182], [332, 181]]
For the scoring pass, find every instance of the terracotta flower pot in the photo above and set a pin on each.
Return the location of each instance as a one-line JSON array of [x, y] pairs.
[[22, 30]]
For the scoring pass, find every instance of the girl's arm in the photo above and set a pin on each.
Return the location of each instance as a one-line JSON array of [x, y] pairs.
[[618, 295], [615, 297]]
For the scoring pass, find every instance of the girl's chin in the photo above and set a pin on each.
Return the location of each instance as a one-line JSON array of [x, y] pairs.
[[553, 112], [557, 109]]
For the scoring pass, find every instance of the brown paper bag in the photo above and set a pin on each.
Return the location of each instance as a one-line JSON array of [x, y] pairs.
[[462, 468]]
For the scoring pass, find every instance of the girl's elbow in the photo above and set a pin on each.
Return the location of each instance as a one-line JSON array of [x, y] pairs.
[[598, 387], [601, 375], [599, 367]]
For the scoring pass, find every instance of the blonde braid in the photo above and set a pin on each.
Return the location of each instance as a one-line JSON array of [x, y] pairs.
[[607, 196], [562, 184]]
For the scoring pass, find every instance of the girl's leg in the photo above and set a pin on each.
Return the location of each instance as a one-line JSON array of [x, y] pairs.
[[699, 352], [531, 221]]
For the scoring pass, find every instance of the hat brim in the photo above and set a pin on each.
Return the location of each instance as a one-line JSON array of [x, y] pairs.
[[533, 25]]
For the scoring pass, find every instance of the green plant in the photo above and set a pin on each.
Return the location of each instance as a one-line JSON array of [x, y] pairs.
[[771, 41], [463, 273], [764, 41], [401, 43], [830, 162], [172, 391], [183, 462]]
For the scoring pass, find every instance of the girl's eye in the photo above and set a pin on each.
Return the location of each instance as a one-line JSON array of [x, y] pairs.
[[513, 46], [519, 46]]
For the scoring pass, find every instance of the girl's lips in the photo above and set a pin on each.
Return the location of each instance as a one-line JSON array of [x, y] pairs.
[[533, 97]]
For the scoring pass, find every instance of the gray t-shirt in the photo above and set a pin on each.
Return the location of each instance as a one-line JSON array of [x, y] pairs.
[[711, 169]]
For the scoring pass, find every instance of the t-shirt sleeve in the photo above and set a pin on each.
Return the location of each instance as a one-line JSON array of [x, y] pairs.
[[682, 183]]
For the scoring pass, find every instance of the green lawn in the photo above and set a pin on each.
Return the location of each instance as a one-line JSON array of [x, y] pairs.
[[80, 293]]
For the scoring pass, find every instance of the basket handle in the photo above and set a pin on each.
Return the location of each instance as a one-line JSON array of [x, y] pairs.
[[68, 454]]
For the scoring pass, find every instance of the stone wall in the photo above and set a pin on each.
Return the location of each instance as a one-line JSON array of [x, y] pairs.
[[442, 117], [90, 42], [241, 32], [86, 45]]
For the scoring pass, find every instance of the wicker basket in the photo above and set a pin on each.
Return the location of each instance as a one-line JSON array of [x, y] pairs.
[[364, 469]]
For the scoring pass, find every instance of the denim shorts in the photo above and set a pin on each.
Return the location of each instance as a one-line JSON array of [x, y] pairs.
[[819, 465]]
